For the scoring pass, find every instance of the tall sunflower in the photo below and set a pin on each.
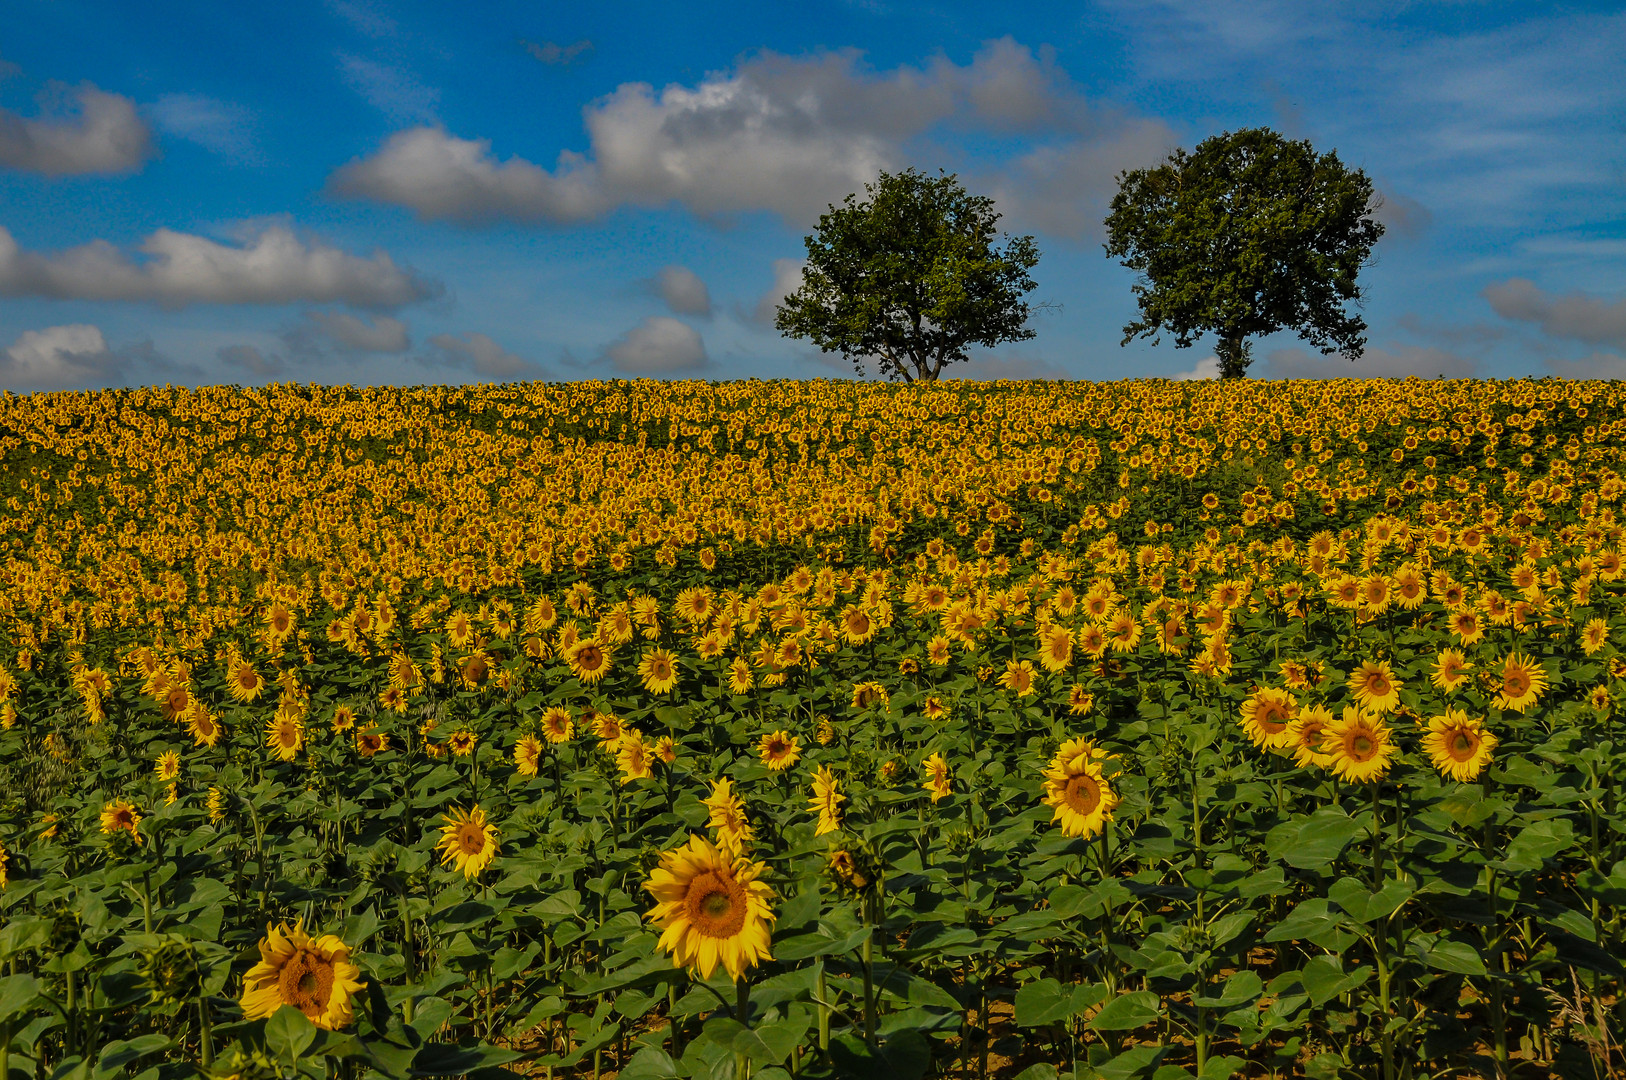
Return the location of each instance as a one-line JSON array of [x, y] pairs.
[[1266, 715], [468, 840], [1458, 744], [827, 800], [711, 908], [1523, 681], [1076, 787], [315, 976], [1375, 686], [1359, 745]]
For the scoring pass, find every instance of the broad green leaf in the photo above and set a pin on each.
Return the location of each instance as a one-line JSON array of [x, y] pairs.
[[1127, 1012]]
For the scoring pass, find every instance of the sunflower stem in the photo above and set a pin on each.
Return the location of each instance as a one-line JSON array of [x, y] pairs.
[[206, 1049], [869, 986]]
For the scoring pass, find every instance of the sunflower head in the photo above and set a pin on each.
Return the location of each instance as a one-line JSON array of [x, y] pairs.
[[1076, 789], [315, 976], [1359, 744], [711, 908], [468, 841], [1458, 745]]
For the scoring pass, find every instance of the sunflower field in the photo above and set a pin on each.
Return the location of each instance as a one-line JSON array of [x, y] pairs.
[[820, 729]]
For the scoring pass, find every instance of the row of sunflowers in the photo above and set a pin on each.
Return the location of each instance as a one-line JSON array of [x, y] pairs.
[[811, 729]]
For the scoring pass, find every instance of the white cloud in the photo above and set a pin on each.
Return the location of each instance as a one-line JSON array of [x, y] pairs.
[[97, 133], [781, 134], [217, 126], [1600, 365], [382, 335], [1402, 362], [485, 356], [660, 345], [787, 278], [274, 267], [1574, 315], [393, 91], [1206, 368], [683, 291], [59, 358]]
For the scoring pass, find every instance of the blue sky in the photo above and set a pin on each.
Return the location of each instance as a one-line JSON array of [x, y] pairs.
[[383, 191]]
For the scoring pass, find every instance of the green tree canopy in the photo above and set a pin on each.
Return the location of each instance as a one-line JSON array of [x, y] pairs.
[[910, 278], [1247, 235]]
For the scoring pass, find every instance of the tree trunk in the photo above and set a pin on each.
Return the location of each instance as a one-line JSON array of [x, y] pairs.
[[1233, 353]]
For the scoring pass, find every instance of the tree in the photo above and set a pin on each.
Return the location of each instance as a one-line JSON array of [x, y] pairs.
[[1247, 235], [911, 278]]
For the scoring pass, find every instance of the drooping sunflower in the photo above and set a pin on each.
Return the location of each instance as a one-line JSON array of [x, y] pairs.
[[658, 672], [285, 735], [726, 814], [827, 800], [779, 750], [590, 660], [121, 816], [1266, 714], [711, 908], [866, 694], [937, 650], [527, 755], [666, 750], [1450, 670], [1375, 686], [203, 727], [1076, 788], [1055, 648], [468, 840], [1359, 745], [557, 725], [1523, 681], [933, 708], [1079, 700], [315, 976], [1304, 737], [632, 756], [1458, 744], [935, 777]]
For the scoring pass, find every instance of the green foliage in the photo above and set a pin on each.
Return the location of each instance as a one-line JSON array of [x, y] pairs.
[[911, 278], [1247, 235]]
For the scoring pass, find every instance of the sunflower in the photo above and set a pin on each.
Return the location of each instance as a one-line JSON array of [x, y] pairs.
[[632, 756], [1359, 745], [726, 814], [344, 718], [589, 660], [1594, 636], [1055, 648], [1122, 632], [1523, 681], [866, 694], [1465, 625], [658, 672], [1450, 670], [666, 750], [462, 742], [1076, 787], [1019, 677], [936, 777], [608, 729], [121, 816], [369, 743], [1079, 700], [467, 839], [711, 908], [827, 800], [1600, 699], [1092, 640], [856, 625], [459, 630], [933, 708], [739, 676], [1266, 715], [527, 755], [315, 976], [1304, 737], [1458, 745], [243, 682], [286, 735], [779, 750], [216, 805], [394, 699], [557, 725], [168, 765], [937, 650], [1375, 686]]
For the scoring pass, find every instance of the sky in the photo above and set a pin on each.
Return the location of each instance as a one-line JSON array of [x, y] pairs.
[[394, 192]]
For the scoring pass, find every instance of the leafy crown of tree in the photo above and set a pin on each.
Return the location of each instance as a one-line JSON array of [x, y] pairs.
[[1247, 235], [911, 278]]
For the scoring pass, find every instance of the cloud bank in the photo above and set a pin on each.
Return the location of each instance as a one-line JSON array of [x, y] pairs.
[[87, 131], [1575, 315]]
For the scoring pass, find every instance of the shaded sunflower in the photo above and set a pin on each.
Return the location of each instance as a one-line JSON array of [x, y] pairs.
[[1079, 700], [344, 718], [243, 682], [666, 750], [866, 694], [285, 735], [937, 651], [1305, 734], [935, 773], [1359, 745], [726, 814], [1450, 670], [589, 660], [1594, 636], [607, 726], [779, 750], [1466, 626], [369, 743], [168, 765], [739, 676], [1375, 686], [468, 840], [1076, 788], [1523, 681], [1055, 648], [933, 708], [557, 725], [711, 908], [121, 816], [462, 742], [527, 755], [827, 800], [632, 756], [315, 976], [1458, 745]]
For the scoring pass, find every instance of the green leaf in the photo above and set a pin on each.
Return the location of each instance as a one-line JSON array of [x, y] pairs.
[[650, 1063], [1325, 978], [1365, 906], [1127, 1012], [289, 1033], [17, 995], [1242, 986], [1043, 1002], [1222, 1068], [441, 1059], [1313, 842], [1454, 956], [905, 1056], [1133, 1063], [116, 1057]]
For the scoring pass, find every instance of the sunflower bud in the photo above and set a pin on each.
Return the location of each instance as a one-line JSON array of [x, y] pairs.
[[169, 973]]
